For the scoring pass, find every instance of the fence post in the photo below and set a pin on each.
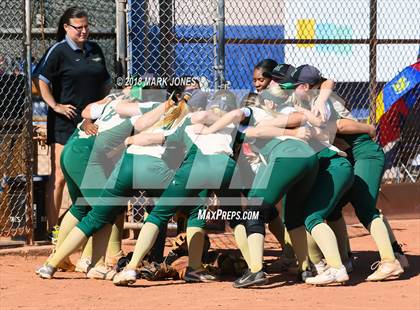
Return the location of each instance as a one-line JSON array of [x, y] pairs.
[[220, 59], [121, 64], [166, 28], [28, 118], [373, 42]]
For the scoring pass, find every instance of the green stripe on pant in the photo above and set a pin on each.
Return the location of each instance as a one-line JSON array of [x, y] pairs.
[[197, 172], [131, 172]]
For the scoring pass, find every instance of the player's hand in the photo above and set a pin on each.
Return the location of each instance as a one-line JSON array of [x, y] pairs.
[[126, 91], [128, 141], [67, 110], [319, 109], [89, 128], [303, 133], [269, 104], [372, 131], [311, 118]]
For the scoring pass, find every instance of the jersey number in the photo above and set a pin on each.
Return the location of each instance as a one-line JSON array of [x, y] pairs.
[[108, 116]]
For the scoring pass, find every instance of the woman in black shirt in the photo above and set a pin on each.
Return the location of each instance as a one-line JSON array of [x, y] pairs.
[[71, 74]]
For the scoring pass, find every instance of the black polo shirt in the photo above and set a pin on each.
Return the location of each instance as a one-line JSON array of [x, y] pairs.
[[76, 77]]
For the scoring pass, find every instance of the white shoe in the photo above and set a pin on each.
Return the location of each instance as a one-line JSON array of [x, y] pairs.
[[101, 273], [320, 267], [83, 265], [403, 260], [349, 265], [330, 275], [64, 265], [46, 271], [385, 271], [125, 277]]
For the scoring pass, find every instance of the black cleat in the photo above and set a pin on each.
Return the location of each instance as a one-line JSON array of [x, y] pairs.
[[251, 278]]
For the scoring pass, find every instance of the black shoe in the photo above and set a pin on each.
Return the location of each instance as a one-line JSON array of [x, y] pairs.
[[251, 278], [123, 261], [199, 275], [303, 275], [397, 248]]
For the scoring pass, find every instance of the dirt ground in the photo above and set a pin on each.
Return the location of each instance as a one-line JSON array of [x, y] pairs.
[[20, 288]]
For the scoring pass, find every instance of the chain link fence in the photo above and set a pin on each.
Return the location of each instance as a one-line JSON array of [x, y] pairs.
[[360, 44], [15, 124], [172, 38], [16, 166]]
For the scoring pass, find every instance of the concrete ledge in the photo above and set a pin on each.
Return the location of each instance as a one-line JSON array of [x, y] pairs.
[[10, 244], [43, 250]]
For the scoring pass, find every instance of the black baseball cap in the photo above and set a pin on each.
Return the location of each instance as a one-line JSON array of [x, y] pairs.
[[225, 100], [198, 99], [282, 73], [302, 75]]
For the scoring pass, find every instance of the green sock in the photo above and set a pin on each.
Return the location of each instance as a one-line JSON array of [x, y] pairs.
[[99, 244], [256, 251], [242, 242], [300, 246], [114, 244], [195, 241], [325, 238], [73, 241], [379, 233], [145, 241], [340, 230], [315, 254]]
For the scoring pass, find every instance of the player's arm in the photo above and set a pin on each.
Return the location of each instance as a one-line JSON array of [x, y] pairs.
[[150, 118], [127, 108], [235, 117], [272, 131], [348, 126], [94, 110], [143, 139], [291, 120], [319, 108], [310, 117], [204, 117]]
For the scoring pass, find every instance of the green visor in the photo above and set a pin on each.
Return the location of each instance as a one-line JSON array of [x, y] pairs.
[[136, 91], [289, 85]]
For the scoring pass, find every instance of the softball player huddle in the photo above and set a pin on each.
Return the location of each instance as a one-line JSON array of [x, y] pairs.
[[292, 140]]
